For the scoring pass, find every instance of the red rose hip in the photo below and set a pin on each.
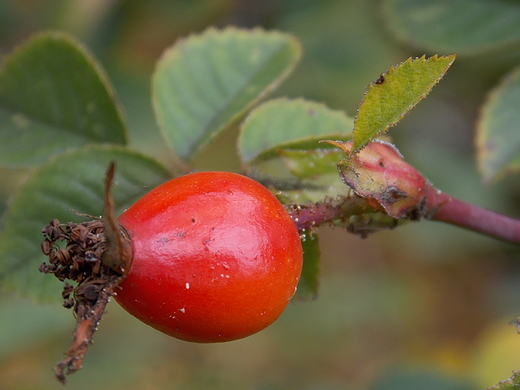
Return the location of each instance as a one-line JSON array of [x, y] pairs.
[[216, 257]]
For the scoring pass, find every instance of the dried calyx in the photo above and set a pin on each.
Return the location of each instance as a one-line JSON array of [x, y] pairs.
[[92, 263]]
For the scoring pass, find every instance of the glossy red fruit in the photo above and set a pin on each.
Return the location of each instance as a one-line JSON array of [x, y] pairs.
[[216, 257]]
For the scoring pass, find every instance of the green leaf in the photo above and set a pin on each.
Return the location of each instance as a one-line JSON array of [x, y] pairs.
[[309, 280], [53, 97], [280, 145], [302, 175], [308, 164], [16, 333], [277, 123], [498, 138], [69, 183], [204, 83], [512, 383], [395, 93], [462, 26], [315, 172]]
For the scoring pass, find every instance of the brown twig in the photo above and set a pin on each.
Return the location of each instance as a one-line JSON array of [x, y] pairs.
[[85, 328]]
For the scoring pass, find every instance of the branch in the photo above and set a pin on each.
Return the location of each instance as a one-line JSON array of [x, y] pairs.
[[456, 212], [379, 174]]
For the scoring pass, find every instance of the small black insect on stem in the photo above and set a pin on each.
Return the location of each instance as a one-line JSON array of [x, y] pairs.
[[380, 79]]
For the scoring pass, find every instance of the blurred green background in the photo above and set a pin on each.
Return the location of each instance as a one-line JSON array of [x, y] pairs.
[[426, 306]]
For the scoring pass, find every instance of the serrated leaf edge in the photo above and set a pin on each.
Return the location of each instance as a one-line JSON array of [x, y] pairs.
[[212, 31], [380, 79]]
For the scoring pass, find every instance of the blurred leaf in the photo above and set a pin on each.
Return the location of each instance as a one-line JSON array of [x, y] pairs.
[[19, 329], [498, 138], [72, 182], [462, 26], [344, 42], [416, 379], [205, 82], [395, 93], [53, 97], [309, 280], [279, 122]]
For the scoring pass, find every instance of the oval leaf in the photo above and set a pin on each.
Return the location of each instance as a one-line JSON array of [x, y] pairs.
[[17, 333], [205, 82], [72, 182], [278, 122], [462, 26], [54, 96], [498, 138], [394, 93]]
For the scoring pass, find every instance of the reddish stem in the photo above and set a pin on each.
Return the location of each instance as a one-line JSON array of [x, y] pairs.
[[313, 215], [309, 216], [478, 219]]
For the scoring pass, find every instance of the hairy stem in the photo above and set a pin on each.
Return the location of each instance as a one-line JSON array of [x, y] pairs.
[[351, 212], [312, 215], [477, 219]]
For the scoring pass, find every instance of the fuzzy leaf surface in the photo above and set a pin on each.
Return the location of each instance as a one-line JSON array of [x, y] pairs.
[[498, 135], [394, 94], [462, 26], [204, 83], [54, 96], [72, 182]]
